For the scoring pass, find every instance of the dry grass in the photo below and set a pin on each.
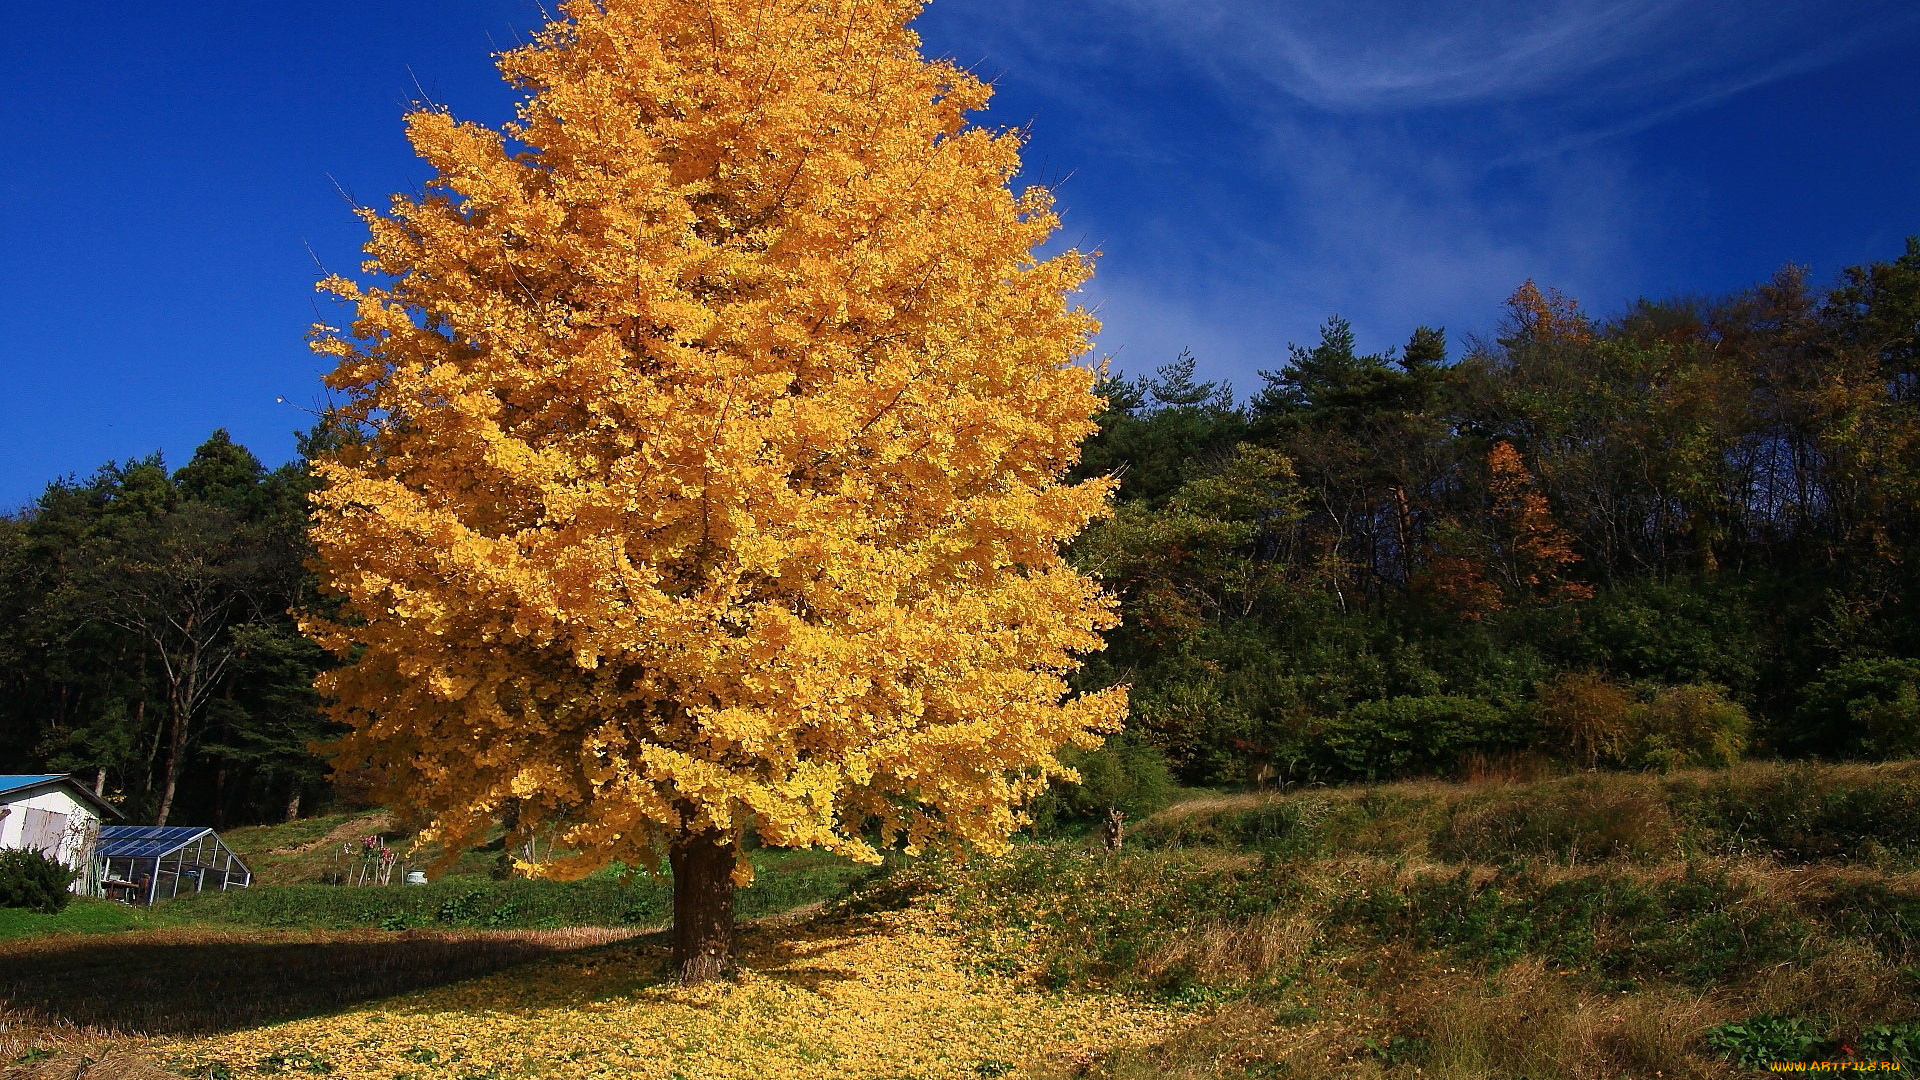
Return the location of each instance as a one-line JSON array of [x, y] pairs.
[[1590, 819], [1516, 808], [299, 852], [101, 1065], [1396, 1014], [86, 994], [1626, 916], [1483, 773], [1849, 980], [1213, 805], [1526, 1020], [1228, 954], [1511, 767], [374, 824], [308, 851]]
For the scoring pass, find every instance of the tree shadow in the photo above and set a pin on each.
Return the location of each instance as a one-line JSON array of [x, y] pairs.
[[800, 960], [184, 984], [813, 979]]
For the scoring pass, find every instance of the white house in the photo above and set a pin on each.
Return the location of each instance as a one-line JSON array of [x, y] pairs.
[[54, 814]]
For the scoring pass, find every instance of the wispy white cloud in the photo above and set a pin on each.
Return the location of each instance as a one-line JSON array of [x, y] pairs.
[[1596, 56], [1369, 226], [1250, 166]]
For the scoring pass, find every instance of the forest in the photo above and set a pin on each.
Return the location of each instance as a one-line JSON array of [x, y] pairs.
[[1678, 535]]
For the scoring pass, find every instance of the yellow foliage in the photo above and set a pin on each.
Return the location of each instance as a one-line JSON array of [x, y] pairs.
[[892, 1000], [703, 449]]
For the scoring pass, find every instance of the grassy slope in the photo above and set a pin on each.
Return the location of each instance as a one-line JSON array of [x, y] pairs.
[[81, 917], [1594, 926]]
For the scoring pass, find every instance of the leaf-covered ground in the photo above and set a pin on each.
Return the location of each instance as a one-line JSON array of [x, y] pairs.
[[884, 996]]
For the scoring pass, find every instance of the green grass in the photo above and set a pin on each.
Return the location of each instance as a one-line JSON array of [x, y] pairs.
[[783, 880], [254, 839], [82, 917]]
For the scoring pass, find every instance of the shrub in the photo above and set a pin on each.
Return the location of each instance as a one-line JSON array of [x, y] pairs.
[[33, 881], [1675, 632], [1123, 774], [1589, 715], [1597, 721], [1867, 708], [1407, 736], [1689, 726]]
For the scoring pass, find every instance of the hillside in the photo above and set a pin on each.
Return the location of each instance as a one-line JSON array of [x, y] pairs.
[[1596, 925], [1600, 925]]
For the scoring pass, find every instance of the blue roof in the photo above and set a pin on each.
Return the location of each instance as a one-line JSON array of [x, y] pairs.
[[15, 783], [147, 841]]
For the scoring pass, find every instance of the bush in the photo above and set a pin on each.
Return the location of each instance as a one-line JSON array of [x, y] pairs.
[[1864, 709], [1675, 633], [33, 881], [1687, 727], [1407, 736], [1597, 721], [1589, 715], [1124, 774]]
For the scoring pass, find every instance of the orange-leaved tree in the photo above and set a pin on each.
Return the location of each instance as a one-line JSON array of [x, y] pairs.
[[1536, 551], [705, 476]]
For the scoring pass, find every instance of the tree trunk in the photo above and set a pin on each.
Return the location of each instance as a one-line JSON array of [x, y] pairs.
[[181, 715], [293, 803], [702, 905], [159, 736], [220, 775], [509, 821]]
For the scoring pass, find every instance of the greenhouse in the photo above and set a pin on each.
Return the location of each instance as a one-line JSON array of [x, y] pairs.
[[145, 863]]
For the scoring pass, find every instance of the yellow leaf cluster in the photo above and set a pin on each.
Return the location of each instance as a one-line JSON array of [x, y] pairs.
[[705, 436], [894, 999]]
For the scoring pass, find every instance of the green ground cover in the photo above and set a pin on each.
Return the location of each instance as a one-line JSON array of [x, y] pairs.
[[82, 917], [783, 880], [1696, 924]]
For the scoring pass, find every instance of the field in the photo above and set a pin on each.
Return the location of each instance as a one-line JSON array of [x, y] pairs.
[[1695, 924], [1629, 925]]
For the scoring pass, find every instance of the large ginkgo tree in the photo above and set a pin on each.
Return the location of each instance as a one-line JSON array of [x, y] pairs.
[[701, 443]]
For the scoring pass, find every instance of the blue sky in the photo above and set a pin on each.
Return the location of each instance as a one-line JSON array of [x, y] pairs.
[[1247, 167]]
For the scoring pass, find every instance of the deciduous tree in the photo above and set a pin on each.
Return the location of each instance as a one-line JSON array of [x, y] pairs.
[[711, 427]]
